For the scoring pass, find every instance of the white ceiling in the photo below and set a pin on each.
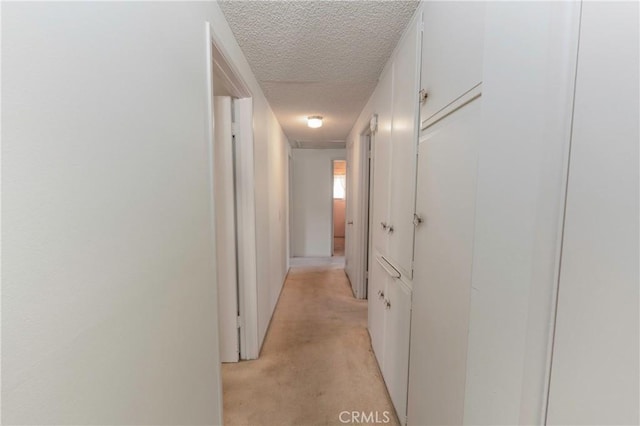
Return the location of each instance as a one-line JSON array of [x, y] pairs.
[[317, 58]]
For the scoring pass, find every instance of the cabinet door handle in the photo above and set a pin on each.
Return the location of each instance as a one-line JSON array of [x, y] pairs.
[[417, 220], [390, 230], [380, 294], [350, 222], [389, 269], [384, 225], [423, 96], [387, 304]]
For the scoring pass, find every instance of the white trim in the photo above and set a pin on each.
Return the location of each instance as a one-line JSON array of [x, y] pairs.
[[212, 219], [246, 229], [462, 100], [365, 194]]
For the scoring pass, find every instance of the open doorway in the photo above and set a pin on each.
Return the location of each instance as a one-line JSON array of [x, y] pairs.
[[233, 193], [339, 206]]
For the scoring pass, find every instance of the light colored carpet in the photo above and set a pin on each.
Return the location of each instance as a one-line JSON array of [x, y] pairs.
[[316, 361], [338, 246]]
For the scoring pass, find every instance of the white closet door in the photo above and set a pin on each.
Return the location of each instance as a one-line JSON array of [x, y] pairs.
[[376, 311], [225, 230], [594, 374], [381, 149], [404, 136], [451, 51], [396, 357], [447, 173]]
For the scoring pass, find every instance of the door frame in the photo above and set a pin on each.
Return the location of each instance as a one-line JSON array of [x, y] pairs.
[[366, 196], [226, 72]]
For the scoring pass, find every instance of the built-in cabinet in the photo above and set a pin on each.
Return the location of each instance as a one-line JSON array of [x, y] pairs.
[[393, 201], [394, 145], [381, 153], [594, 375], [404, 137], [445, 207], [479, 112], [389, 320], [451, 54]]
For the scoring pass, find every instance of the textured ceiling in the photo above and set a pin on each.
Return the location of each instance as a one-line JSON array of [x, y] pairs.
[[317, 58]]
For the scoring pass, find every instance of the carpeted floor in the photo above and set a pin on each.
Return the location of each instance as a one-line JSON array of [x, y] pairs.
[[338, 246], [316, 361]]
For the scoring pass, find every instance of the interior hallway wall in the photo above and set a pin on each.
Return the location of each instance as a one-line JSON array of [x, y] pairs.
[[312, 201], [109, 301]]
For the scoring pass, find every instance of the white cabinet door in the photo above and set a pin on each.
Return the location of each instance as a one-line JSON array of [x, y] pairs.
[[381, 144], [447, 174], [377, 288], [594, 375], [404, 137], [451, 52], [396, 357]]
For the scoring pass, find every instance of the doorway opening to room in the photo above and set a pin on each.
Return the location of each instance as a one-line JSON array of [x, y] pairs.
[[233, 194], [339, 204]]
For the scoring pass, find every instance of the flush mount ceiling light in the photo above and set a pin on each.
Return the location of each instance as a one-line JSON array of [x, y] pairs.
[[314, 121]]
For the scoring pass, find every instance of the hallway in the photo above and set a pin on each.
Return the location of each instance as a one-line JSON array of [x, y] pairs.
[[316, 361]]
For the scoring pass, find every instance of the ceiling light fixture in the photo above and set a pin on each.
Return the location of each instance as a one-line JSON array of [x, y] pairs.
[[314, 121]]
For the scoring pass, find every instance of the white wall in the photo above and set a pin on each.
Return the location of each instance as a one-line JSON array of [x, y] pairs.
[[312, 204], [109, 297], [272, 247]]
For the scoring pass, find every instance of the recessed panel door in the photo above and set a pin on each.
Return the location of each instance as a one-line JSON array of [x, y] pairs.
[[381, 152], [445, 206], [397, 331], [404, 139], [452, 50], [376, 311]]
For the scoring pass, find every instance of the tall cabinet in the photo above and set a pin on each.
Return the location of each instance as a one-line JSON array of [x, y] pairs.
[[450, 126], [505, 176], [404, 137], [393, 202]]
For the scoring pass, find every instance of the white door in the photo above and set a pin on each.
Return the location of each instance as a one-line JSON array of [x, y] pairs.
[[447, 174], [396, 356], [404, 136], [225, 205], [594, 372], [381, 151], [377, 287]]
